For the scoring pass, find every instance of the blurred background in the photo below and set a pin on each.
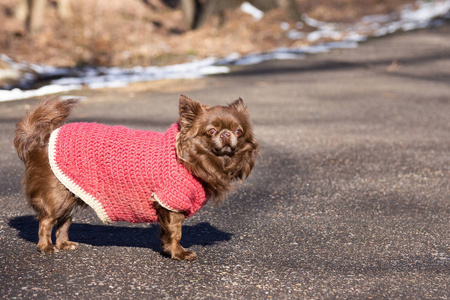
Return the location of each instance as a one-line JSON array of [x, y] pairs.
[[52, 46], [159, 32]]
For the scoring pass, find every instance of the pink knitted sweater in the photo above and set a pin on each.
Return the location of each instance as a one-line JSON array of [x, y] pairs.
[[120, 172]]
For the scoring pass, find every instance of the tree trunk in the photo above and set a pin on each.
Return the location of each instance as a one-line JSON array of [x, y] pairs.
[[189, 8], [36, 16], [22, 10], [64, 10], [196, 12], [291, 9]]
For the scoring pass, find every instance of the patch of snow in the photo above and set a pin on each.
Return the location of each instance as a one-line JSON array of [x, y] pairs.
[[324, 33], [427, 11], [96, 78], [371, 19], [355, 37], [251, 10], [116, 77], [67, 97], [285, 26], [256, 58], [285, 53], [294, 34], [299, 25], [16, 94], [380, 25], [312, 22]]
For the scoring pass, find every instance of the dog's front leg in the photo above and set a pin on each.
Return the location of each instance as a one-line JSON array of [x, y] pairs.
[[170, 234]]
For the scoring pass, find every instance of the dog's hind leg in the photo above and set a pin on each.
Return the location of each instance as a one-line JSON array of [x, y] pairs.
[[46, 224], [62, 235], [54, 205]]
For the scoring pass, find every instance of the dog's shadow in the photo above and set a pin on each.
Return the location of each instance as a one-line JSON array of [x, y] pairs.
[[110, 235]]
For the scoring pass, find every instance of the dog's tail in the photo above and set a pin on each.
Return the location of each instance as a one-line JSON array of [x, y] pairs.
[[34, 129]]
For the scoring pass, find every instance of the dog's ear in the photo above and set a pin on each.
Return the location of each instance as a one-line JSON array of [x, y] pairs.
[[189, 110], [238, 105]]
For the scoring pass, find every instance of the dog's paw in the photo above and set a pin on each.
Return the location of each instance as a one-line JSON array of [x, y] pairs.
[[47, 249], [185, 255], [67, 245]]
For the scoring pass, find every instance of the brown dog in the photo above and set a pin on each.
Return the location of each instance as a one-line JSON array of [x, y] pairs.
[[115, 170]]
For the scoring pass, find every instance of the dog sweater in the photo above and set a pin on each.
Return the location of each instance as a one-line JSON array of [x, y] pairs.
[[121, 172]]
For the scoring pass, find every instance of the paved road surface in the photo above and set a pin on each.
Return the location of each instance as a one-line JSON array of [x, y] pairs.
[[350, 198]]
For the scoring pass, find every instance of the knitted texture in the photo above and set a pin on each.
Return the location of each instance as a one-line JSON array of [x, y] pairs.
[[120, 172]]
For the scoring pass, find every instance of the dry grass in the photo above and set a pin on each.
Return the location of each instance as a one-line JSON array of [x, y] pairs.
[[348, 10], [113, 34]]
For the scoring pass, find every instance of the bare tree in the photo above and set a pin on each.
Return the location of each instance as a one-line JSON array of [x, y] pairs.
[[32, 13], [22, 10], [64, 10], [36, 16], [189, 8], [291, 8], [196, 12]]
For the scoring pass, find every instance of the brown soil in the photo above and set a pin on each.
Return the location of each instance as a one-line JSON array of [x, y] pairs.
[[113, 34]]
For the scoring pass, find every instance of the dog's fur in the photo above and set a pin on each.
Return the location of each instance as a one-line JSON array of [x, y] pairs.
[[215, 144]]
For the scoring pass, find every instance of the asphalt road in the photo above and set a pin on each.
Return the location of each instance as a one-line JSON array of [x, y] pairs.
[[349, 199]]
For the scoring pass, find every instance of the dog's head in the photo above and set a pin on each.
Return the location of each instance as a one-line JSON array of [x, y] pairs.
[[216, 144]]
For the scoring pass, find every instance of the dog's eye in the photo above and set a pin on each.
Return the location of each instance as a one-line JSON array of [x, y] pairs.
[[239, 132], [211, 131]]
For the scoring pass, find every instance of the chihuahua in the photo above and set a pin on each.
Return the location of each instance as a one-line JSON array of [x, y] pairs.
[[131, 175]]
